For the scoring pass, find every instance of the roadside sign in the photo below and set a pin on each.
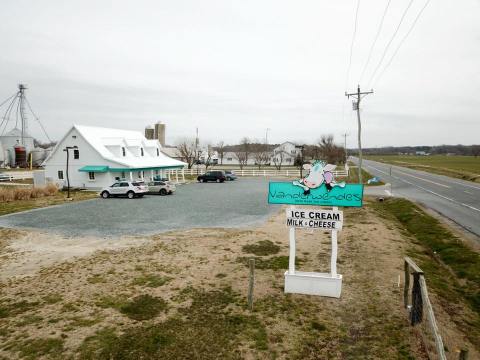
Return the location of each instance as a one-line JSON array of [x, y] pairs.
[[314, 219], [350, 195]]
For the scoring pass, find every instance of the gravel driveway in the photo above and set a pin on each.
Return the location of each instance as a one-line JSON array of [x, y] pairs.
[[237, 203]]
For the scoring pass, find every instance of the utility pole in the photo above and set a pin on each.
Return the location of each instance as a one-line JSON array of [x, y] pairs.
[[345, 147], [358, 96]]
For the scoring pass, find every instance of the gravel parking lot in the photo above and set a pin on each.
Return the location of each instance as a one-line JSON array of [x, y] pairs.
[[232, 204]]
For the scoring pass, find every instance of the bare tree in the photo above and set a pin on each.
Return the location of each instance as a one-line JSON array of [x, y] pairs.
[[221, 151], [329, 151], [188, 151], [208, 156], [278, 159], [243, 152], [260, 154], [475, 150]]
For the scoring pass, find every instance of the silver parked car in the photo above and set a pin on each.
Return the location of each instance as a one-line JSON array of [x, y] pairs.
[[161, 187], [129, 189]]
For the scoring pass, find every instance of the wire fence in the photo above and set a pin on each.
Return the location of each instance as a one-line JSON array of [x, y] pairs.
[[437, 342]]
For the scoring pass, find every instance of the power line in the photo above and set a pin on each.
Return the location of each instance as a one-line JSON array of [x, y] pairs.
[[402, 41], [38, 119], [351, 45], [10, 98], [390, 41], [374, 41]]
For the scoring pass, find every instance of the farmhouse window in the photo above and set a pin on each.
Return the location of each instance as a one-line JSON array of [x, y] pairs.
[[76, 154], [123, 151], [91, 175], [141, 151], [158, 152], [60, 174]]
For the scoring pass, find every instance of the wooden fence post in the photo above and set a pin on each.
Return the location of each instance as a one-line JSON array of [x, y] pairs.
[[406, 286], [463, 354], [251, 263]]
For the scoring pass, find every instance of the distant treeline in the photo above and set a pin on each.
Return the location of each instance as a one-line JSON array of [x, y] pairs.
[[471, 150]]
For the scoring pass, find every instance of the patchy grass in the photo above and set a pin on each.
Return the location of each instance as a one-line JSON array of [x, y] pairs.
[[143, 307], [8, 309], [8, 207], [52, 298], [452, 269], [272, 263], [462, 167], [35, 348], [151, 280], [206, 328], [261, 248], [96, 279]]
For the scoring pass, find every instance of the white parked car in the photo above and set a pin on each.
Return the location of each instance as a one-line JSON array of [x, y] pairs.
[[129, 189], [161, 187]]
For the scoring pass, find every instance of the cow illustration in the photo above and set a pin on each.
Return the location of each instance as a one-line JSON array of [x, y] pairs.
[[318, 173]]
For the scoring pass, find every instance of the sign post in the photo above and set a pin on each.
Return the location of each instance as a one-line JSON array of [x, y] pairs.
[[317, 188]]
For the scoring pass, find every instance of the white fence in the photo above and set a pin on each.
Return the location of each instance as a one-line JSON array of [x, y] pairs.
[[256, 172]]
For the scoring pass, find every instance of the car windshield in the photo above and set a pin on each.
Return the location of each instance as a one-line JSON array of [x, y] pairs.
[[138, 183]]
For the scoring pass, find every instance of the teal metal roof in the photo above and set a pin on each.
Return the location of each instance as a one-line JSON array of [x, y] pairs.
[[104, 168], [94, 168]]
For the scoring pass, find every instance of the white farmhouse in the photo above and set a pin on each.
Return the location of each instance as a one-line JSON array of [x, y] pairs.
[[104, 155], [286, 153]]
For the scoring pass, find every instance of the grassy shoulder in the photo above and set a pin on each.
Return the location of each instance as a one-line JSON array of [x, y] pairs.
[[452, 268], [462, 167], [60, 197], [353, 176]]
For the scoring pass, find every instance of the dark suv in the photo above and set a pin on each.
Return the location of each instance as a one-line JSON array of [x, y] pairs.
[[218, 176]]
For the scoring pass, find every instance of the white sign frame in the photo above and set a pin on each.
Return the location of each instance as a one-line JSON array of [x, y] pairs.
[[314, 219], [313, 283]]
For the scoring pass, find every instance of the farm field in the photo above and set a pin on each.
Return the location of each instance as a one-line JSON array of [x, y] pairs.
[[462, 167], [180, 293]]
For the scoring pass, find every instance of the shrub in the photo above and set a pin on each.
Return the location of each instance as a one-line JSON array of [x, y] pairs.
[[7, 195], [22, 194], [50, 189]]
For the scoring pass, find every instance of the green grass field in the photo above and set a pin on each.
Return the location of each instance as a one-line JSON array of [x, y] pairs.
[[462, 167]]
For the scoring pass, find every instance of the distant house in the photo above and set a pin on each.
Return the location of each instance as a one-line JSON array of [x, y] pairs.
[[421, 153], [103, 155], [286, 153], [230, 158]]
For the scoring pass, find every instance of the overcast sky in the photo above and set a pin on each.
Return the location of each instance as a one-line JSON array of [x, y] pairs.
[[236, 68]]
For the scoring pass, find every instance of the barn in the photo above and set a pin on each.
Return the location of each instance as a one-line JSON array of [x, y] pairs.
[[98, 156]]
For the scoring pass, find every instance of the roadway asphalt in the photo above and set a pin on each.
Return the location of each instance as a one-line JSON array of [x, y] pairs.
[[453, 198], [238, 203]]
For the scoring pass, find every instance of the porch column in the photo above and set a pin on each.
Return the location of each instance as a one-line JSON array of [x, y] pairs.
[[151, 175], [176, 175], [183, 174], [131, 176]]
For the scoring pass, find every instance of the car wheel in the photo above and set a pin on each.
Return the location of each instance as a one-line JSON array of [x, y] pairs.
[[204, 180], [163, 192], [105, 194], [218, 180], [130, 194], [199, 179]]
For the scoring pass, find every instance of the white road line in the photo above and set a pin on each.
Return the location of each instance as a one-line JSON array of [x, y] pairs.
[[388, 192], [417, 177], [468, 192], [430, 191]]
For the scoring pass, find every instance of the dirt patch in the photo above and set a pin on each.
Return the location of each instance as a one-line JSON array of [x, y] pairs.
[[194, 284]]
